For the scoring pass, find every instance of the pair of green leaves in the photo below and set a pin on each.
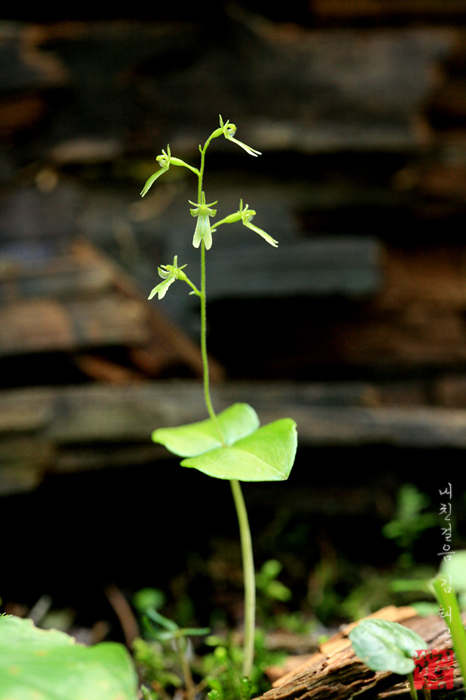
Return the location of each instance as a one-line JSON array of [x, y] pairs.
[[247, 453], [37, 664]]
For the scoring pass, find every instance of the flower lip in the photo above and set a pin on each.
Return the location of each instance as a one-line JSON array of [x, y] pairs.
[[203, 212]]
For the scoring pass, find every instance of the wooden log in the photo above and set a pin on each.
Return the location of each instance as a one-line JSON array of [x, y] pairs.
[[24, 65], [383, 11], [103, 425], [80, 301], [350, 266], [417, 319], [450, 391], [338, 91], [58, 276], [129, 412], [335, 671], [165, 345], [39, 325]]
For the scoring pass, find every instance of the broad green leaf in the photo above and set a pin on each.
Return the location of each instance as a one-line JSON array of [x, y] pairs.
[[386, 646], [236, 422], [266, 455], [48, 665]]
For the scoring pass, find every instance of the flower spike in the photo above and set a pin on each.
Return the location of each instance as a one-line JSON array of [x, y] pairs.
[[229, 130], [203, 232]]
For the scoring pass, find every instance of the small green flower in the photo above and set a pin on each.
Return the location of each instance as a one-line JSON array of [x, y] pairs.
[[203, 212], [169, 273], [247, 216], [229, 130], [165, 160]]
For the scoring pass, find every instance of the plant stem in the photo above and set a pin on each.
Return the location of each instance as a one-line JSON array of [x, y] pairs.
[[205, 360], [412, 689], [243, 521], [447, 600], [186, 670], [249, 578]]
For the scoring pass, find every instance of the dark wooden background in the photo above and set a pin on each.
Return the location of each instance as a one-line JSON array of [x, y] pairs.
[[355, 326]]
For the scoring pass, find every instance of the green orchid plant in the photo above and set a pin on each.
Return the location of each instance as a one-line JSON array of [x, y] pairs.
[[229, 445]]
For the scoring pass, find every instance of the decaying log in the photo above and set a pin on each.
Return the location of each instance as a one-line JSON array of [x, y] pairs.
[[335, 671], [80, 302], [383, 10], [49, 325], [350, 266], [337, 91], [95, 425]]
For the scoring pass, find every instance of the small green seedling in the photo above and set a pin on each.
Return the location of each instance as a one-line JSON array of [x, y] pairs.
[[387, 646], [230, 445], [167, 630], [49, 665], [409, 522]]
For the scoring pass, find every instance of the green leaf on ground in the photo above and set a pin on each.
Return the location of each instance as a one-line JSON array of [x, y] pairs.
[[386, 646], [40, 664]]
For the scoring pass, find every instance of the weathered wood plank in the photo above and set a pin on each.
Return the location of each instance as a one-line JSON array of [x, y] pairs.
[[324, 266], [382, 11], [338, 90], [39, 325], [81, 301], [59, 276], [95, 426], [120, 413]]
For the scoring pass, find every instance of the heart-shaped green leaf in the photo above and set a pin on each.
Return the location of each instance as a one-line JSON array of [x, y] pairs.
[[386, 646], [48, 665], [250, 453], [235, 422], [265, 455]]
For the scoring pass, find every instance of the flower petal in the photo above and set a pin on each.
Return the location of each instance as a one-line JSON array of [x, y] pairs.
[[262, 233], [248, 149], [203, 232], [162, 288], [153, 178]]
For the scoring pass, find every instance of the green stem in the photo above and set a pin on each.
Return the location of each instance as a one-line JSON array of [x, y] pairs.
[[412, 689], [186, 670], [205, 359], [249, 578], [448, 601], [243, 522]]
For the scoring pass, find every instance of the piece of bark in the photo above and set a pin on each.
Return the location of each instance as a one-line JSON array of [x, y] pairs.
[[81, 301], [336, 672], [165, 344], [349, 266], [131, 411], [383, 11], [104, 370], [450, 391], [39, 325]]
